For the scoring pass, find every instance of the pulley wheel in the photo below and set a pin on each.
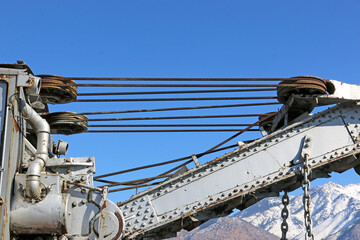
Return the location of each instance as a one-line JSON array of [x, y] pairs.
[[267, 124], [66, 123], [306, 85], [57, 89]]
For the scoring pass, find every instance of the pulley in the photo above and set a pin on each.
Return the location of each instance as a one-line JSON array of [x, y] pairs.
[[66, 123], [307, 85], [267, 124], [57, 89]]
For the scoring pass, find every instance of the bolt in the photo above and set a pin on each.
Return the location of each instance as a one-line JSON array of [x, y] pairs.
[[74, 203], [83, 201]]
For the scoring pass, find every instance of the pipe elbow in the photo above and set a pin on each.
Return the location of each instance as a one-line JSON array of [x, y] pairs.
[[33, 189]]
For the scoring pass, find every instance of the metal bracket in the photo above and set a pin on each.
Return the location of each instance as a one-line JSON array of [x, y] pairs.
[[282, 114], [306, 147], [196, 160], [25, 81]]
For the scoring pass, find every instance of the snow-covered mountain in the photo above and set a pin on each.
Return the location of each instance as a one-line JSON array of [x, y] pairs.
[[335, 213]]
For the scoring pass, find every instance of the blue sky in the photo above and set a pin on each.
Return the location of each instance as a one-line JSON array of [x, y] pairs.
[[178, 39]]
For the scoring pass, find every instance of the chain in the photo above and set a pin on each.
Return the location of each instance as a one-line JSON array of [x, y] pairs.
[[307, 198], [284, 215]]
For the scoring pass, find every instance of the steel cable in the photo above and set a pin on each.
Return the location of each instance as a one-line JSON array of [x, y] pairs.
[[177, 92], [175, 79], [175, 117], [174, 85], [169, 125], [168, 130], [181, 108], [171, 99]]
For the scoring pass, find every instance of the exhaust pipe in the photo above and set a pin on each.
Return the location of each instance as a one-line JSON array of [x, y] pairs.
[[42, 129]]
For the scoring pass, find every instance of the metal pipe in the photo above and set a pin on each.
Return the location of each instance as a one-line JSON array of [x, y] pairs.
[[42, 129]]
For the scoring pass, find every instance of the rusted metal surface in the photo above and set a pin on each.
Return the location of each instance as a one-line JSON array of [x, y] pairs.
[[66, 123], [57, 90]]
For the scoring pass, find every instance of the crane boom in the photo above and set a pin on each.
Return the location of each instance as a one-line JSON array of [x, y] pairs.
[[248, 174]]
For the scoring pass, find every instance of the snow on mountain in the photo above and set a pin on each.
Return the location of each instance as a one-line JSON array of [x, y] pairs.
[[335, 211]]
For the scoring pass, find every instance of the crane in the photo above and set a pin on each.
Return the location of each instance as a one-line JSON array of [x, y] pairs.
[[46, 196]]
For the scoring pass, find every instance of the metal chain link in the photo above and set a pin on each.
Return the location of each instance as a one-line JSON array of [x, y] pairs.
[[307, 199], [284, 215]]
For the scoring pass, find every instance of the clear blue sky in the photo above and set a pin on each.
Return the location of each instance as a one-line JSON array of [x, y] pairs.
[[178, 39]]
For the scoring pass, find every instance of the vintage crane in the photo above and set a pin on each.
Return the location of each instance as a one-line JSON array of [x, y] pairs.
[[45, 196]]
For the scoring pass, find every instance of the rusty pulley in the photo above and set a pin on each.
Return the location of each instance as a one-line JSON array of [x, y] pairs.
[[268, 122], [57, 89], [66, 123], [307, 85]]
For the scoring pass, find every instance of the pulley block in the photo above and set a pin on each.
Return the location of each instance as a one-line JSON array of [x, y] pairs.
[[306, 85], [66, 123], [57, 89]]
